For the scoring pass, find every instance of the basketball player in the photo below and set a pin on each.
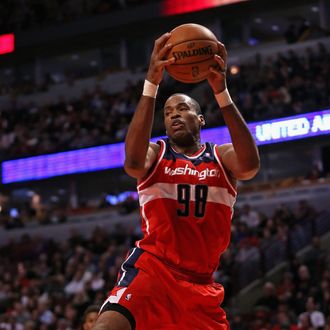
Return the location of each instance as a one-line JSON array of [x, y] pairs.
[[187, 190]]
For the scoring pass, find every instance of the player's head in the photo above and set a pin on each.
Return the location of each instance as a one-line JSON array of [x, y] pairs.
[[183, 119], [89, 317]]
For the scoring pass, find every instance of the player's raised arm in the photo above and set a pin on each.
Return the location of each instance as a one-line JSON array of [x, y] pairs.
[[241, 157], [139, 152]]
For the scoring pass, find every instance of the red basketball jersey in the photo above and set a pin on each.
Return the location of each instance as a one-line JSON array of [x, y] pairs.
[[186, 205]]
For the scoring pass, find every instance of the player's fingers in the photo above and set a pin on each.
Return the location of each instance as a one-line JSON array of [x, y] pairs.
[[164, 51], [220, 62], [222, 51], [217, 71], [160, 42], [214, 70], [168, 62]]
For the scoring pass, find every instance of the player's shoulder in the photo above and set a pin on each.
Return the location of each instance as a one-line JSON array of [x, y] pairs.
[[224, 148], [154, 149], [154, 146]]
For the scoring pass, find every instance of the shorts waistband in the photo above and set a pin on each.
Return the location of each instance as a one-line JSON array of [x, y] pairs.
[[188, 276], [183, 274]]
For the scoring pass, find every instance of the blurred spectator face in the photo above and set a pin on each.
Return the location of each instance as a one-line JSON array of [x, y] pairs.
[[283, 319], [63, 325], [310, 304], [70, 313], [303, 273], [90, 320], [325, 285], [269, 289], [3, 201], [30, 325], [304, 323]]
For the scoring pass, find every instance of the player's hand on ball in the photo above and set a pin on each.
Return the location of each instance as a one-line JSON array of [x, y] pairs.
[[217, 75], [158, 59]]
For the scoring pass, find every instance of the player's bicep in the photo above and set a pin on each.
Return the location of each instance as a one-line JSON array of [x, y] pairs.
[[231, 162], [228, 159], [151, 157]]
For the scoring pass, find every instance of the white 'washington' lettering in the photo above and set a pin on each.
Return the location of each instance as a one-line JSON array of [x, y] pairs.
[[202, 175]]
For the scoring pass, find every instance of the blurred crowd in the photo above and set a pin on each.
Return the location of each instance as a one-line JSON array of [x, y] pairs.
[[48, 284], [26, 208], [299, 302], [16, 15], [290, 83], [32, 207]]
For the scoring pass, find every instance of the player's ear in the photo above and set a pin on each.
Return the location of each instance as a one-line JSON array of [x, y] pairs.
[[201, 120]]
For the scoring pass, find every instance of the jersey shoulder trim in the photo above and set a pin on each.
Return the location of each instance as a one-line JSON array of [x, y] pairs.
[[157, 161], [218, 158]]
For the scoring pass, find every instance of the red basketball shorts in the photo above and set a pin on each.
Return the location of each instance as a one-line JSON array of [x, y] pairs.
[[153, 297]]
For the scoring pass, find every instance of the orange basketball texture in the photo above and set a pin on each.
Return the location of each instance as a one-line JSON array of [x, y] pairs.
[[193, 47]]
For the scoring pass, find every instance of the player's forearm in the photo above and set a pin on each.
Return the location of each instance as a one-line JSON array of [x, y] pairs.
[[242, 139], [139, 133]]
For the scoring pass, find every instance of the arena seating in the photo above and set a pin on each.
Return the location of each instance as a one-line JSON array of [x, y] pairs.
[[46, 279], [296, 83], [260, 241]]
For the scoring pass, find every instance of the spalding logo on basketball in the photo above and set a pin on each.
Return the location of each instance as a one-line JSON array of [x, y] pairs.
[[193, 47]]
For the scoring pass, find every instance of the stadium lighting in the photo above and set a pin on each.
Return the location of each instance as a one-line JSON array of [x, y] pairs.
[[7, 43], [174, 7]]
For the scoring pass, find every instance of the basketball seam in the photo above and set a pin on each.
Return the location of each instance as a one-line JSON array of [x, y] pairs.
[[185, 64], [193, 40]]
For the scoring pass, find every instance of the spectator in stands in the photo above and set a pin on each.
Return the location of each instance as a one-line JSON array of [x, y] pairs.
[[46, 316], [305, 211], [290, 34], [237, 323], [250, 217], [77, 284], [261, 318], [316, 317], [269, 298], [324, 297], [89, 317], [283, 322], [315, 172], [315, 259], [304, 322], [286, 288], [239, 231], [304, 283], [247, 261]]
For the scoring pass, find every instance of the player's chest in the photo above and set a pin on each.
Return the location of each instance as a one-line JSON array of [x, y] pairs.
[[186, 171]]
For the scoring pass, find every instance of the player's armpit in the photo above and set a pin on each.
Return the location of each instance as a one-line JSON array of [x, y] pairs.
[[139, 172], [232, 164]]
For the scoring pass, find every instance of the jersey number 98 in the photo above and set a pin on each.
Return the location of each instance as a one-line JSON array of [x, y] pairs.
[[184, 200]]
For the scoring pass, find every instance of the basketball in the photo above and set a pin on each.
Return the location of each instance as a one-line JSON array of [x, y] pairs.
[[193, 48]]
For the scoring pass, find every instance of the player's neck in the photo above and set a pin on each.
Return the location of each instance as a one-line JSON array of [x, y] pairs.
[[187, 150]]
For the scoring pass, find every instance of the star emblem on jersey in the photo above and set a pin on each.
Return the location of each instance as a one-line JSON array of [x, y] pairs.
[[128, 297]]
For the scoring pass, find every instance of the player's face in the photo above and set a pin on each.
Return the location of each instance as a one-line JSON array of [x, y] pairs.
[[182, 123], [90, 320]]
